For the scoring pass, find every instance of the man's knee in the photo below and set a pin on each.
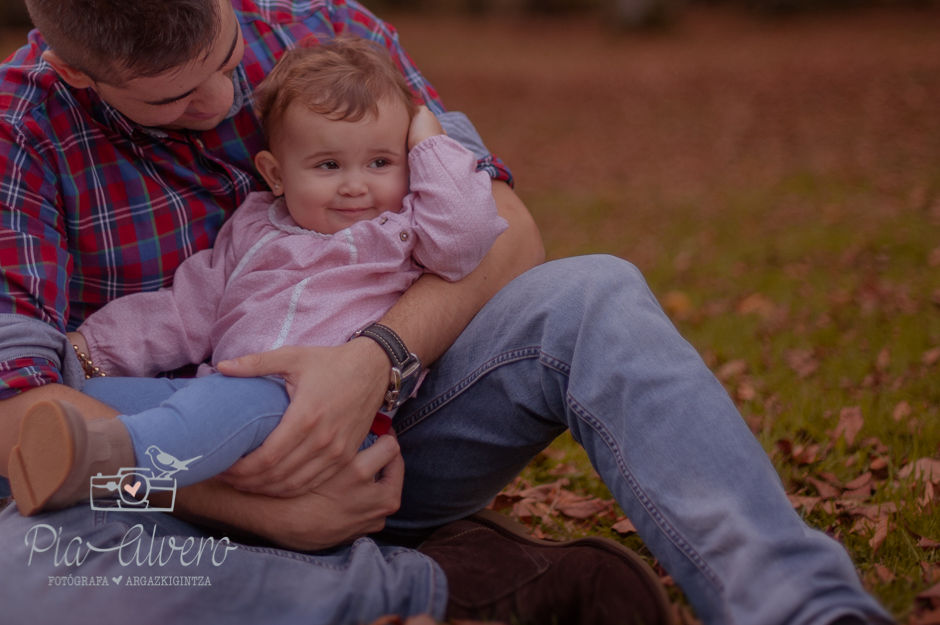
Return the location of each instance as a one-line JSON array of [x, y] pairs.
[[596, 272]]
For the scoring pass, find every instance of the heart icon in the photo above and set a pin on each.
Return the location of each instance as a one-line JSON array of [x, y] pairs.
[[132, 491], [117, 580]]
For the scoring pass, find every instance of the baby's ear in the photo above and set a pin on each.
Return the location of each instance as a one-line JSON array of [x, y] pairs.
[[270, 170]]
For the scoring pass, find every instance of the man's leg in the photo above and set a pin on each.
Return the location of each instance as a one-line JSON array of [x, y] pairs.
[[49, 575], [582, 344]]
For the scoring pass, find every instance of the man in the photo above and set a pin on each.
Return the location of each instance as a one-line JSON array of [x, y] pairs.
[[127, 138]]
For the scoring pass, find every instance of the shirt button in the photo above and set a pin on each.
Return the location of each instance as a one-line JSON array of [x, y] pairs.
[[383, 220], [403, 235]]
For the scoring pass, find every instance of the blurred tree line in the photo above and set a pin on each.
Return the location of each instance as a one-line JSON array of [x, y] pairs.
[[626, 13]]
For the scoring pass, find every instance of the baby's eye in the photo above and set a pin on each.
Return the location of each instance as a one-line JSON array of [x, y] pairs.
[[380, 162], [328, 165]]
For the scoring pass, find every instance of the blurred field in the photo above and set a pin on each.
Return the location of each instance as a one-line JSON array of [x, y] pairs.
[[778, 182]]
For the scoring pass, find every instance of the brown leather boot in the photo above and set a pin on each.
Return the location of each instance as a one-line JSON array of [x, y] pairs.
[[496, 571], [57, 453]]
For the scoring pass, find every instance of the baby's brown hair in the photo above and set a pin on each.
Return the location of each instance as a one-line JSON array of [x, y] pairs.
[[343, 79]]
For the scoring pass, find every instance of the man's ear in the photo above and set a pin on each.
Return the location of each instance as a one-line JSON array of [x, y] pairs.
[[75, 78], [270, 169]]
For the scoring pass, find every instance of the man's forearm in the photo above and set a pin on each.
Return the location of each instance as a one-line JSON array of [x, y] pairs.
[[433, 312], [13, 410]]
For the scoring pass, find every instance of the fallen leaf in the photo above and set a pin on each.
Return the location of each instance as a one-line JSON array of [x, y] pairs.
[[676, 303], [807, 455], [858, 482], [931, 593], [927, 543], [850, 423], [901, 411], [923, 469], [933, 259], [862, 493], [875, 443], [624, 527], [746, 392], [554, 454], [881, 532], [584, 509], [879, 468], [884, 359], [825, 490], [731, 369], [801, 361], [929, 495], [757, 304], [930, 357], [564, 469], [884, 574], [800, 501]]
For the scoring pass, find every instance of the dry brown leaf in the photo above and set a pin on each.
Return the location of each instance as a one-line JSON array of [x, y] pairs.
[[624, 527], [583, 509], [850, 424], [554, 454], [676, 304], [933, 259], [885, 575], [757, 304], [879, 468], [881, 532], [874, 511], [563, 468], [929, 495], [923, 469], [927, 543], [806, 455], [858, 482], [861, 494], [801, 361], [825, 490], [884, 359], [746, 392], [731, 369], [801, 501], [901, 411], [503, 501], [930, 357], [931, 593]]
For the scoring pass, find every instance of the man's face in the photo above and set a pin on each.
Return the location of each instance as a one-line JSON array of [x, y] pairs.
[[195, 96]]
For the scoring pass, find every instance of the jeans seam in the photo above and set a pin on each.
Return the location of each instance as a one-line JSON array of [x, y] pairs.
[[515, 355], [670, 531]]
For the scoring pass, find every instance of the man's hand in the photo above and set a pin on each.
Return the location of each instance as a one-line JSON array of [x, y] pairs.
[[423, 125], [348, 506], [334, 392]]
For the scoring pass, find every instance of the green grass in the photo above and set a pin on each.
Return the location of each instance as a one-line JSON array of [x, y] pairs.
[[845, 269]]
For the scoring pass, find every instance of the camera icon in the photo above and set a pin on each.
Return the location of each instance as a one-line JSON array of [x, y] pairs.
[[133, 487]]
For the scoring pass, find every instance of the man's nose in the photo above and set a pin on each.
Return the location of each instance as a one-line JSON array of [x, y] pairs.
[[214, 96]]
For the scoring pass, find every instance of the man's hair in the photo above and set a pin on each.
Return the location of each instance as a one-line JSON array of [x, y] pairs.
[[113, 41], [343, 79]]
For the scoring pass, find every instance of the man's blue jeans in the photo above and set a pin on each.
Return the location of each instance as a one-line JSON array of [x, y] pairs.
[[580, 344]]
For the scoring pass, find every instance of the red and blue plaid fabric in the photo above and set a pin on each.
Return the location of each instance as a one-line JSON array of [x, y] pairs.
[[93, 206]]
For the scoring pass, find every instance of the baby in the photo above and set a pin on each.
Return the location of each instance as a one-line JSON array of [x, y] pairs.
[[327, 252]]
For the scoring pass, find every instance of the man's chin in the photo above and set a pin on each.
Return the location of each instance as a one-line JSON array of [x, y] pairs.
[[196, 124]]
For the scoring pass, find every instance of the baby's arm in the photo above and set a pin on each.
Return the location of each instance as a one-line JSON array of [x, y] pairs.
[[453, 208], [145, 333]]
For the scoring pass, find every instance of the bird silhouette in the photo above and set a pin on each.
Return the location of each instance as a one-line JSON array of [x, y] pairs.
[[167, 463]]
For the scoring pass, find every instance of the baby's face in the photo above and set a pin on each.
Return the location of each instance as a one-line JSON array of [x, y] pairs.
[[335, 173]]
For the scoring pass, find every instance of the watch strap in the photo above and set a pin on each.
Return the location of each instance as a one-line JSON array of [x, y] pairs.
[[391, 343]]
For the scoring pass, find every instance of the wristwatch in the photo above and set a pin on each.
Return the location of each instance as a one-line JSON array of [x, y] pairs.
[[406, 368]]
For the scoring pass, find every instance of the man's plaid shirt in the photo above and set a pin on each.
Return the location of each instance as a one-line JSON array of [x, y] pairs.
[[93, 206]]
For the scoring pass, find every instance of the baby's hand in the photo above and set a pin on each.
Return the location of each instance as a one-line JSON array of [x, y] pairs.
[[423, 125]]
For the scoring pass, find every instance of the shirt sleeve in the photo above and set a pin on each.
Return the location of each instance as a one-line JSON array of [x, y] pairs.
[[453, 210], [143, 334], [35, 264], [351, 17]]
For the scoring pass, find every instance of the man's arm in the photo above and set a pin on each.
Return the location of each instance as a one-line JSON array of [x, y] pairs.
[[333, 387]]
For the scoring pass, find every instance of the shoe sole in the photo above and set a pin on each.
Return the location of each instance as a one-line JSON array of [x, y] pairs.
[[502, 524], [43, 458]]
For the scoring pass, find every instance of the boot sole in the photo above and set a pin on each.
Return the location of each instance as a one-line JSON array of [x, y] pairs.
[[502, 524], [41, 462]]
